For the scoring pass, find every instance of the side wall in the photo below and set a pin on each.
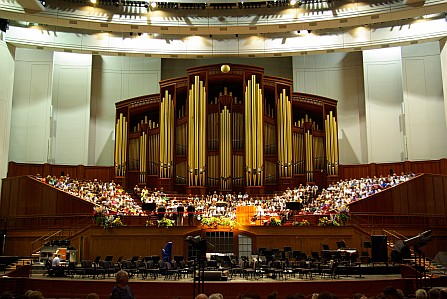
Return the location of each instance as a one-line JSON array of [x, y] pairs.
[[64, 104], [6, 87], [338, 76]]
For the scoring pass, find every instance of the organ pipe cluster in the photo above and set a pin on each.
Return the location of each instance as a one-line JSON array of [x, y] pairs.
[[284, 116], [120, 145], [253, 134], [309, 155], [225, 149], [143, 150], [197, 133], [330, 126], [166, 136]]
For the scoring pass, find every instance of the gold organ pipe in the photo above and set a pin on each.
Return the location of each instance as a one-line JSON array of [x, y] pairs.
[[197, 120], [253, 133], [116, 147], [335, 147]]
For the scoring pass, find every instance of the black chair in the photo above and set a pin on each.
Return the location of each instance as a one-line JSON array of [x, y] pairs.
[[87, 268], [330, 270], [130, 268], [151, 270], [315, 256]]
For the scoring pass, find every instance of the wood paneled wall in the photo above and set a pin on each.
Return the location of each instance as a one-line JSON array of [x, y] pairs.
[[384, 169], [105, 173], [27, 197], [420, 203], [81, 172]]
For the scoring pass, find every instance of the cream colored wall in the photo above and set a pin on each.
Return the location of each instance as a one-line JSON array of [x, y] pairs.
[[115, 79], [6, 87], [383, 99], [31, 106], [71, 101], [338, 76], [443, 56], [369, 86], [425, 124]]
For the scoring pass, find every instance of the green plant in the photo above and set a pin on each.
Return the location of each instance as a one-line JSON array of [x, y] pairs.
[[304, 222], [165, 222], [274, 222], [343, 218], [325, 221], [210, 221]]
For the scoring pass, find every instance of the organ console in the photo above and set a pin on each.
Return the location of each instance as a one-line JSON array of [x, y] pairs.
[[239, 130]]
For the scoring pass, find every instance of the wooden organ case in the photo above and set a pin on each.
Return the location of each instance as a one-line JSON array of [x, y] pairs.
[[226, 128]]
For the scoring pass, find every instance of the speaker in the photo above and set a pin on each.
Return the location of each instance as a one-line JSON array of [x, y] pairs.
[[291, 205], [379, 250], [149, 206]]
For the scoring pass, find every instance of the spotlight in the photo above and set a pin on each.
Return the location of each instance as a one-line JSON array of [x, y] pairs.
[[93, 1], [292, 2]]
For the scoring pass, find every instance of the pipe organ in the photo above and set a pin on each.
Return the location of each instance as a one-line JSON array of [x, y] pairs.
[[197, 133], [166, 136], [254, 149], [284, 135], [120, 145], [198, 137]]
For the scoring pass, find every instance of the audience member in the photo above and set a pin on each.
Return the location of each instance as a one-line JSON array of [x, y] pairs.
[[92, 296], [216, 296], [421, 294], [122, 290], [201, 296], [433, 293]]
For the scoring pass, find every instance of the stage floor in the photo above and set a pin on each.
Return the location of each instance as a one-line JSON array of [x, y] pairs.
[[344, 286]]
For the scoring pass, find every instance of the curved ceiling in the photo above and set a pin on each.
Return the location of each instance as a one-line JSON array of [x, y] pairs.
[[134, 28]]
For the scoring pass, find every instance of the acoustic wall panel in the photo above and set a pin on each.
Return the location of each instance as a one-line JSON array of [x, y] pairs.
[[71, 101]]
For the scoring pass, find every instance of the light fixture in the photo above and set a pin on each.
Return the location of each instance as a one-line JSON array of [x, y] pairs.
[[292, 2], [153, 4], [93, 1]]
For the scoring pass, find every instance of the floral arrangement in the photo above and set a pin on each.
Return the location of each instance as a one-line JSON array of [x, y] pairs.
[[210, 221], [274, 222], [325, 221], [302, 223], [342, 218], [216, 221], [165, 222], [102, 218]]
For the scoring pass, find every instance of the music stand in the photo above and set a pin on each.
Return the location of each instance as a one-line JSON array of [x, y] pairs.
[[325, 246]]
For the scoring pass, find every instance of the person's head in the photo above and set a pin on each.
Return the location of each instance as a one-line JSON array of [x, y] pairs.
[[443, 293], [216, 296], [92, 296], [390, 293], [433, 294], [250, 296], [201, 296], [358, 295], [272, 295], [421, 294], [35, 295], [122, 278], [6, 295]]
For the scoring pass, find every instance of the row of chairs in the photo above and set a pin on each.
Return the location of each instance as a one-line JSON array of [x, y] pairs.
[[149, 266]]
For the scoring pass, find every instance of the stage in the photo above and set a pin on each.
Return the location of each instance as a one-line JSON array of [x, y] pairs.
[[344, 285]]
